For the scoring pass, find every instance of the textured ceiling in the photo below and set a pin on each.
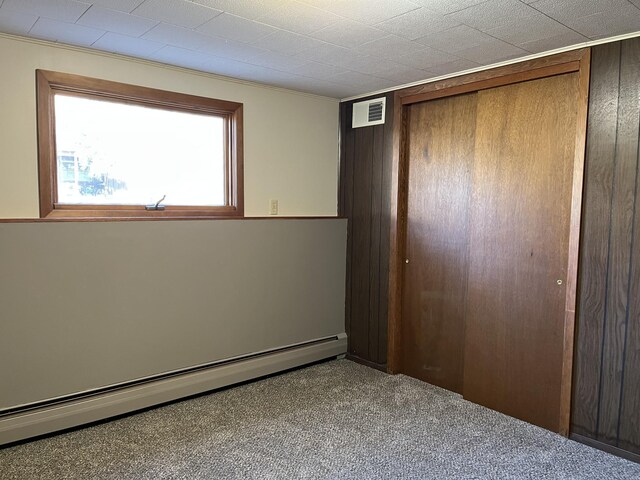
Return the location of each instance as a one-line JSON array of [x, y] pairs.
[[338, 48]]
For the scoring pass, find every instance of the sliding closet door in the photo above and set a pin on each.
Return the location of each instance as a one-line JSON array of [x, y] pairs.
[[518, 239], [440, 139]]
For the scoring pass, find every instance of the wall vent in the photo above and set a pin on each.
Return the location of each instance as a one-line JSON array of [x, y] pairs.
[[369, 112]]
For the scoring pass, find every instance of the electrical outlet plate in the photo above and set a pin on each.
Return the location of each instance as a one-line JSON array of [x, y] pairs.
[[273, 207]]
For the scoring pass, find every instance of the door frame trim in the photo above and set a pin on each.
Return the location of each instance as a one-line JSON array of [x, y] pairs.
[[569, 62]]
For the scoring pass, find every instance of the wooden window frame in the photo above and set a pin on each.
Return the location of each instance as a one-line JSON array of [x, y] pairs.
[[48, 84]]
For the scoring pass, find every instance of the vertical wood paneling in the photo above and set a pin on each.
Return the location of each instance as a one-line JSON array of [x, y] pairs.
[[617, 299], [385, 219], [606, 393], [606, 401], [628, 432], [374, 247], [365, 176], [599, 162], [361, 232]]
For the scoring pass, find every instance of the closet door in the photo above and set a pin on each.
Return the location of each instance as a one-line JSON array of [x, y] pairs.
[[440, 138], [518, 240]]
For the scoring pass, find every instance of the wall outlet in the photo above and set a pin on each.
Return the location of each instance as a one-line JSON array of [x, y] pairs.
[[273, 207]]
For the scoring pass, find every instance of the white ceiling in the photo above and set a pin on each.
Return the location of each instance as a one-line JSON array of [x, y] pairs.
[[338, 48]]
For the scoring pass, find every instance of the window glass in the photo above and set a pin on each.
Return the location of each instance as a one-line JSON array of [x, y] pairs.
[[112, 150], [112, 153]]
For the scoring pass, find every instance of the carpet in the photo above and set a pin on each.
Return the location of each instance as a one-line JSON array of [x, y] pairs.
[[334, 420]]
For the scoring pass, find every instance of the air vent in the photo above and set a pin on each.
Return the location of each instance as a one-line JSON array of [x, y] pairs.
[[369, 112], [375, 111]]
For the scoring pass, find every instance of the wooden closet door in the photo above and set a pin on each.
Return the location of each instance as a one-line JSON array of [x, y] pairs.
[[440, 137], [518, 239]]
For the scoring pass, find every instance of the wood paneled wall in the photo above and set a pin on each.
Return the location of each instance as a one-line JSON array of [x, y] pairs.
[[606, 394], [364, 198]]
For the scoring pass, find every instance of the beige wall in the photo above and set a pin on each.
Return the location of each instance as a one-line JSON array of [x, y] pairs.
[[291, 139], [120, 301]]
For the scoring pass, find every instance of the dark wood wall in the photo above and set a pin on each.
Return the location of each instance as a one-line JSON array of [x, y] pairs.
[[364, 198], [606, 395]]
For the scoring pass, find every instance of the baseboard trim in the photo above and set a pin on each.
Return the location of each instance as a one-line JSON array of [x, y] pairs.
[[33, 423], [378, 366], [619, 452]]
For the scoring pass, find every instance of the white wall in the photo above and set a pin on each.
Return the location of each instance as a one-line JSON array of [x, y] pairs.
[[290, 139]]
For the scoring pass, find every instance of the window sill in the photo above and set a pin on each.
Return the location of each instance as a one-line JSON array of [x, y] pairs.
[[155, 219]]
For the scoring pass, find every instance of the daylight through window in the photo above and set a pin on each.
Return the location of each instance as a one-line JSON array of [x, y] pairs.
[[109, 149]]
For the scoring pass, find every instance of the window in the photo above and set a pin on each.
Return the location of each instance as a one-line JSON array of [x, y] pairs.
[[108, 149]]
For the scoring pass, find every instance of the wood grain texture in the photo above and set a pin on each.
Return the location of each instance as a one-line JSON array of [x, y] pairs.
[[361, 231], [600, 155], [374, 244], [634, 457], [518, 236], [606, 401], [50, 83], [440, 146], [385, 229], [620, 242], [551, 65], [496, 81], [536, 68], [629, 424], [574, 242], [46, 144], [365, 193], [397, 233], [368, 363]]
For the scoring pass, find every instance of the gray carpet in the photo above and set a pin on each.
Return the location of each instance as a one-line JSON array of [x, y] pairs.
[[332, 421]]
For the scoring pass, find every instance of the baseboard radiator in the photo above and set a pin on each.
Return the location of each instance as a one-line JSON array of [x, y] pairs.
[[82, 408]]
